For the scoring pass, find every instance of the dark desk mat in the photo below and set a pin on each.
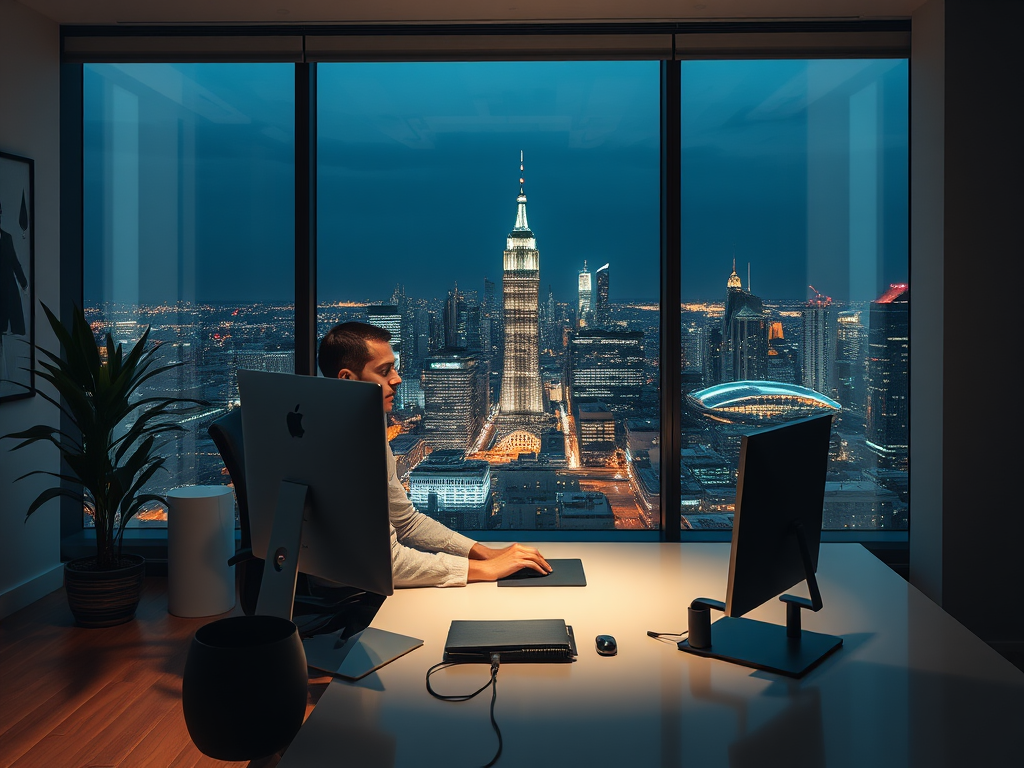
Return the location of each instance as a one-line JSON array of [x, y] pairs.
[[564, 573]]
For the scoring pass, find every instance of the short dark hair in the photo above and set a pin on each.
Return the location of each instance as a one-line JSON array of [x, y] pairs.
[[346, 346]]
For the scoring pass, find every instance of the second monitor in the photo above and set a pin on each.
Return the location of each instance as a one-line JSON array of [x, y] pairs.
[[776, 534]]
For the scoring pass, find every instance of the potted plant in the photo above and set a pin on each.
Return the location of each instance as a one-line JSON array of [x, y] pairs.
[[102, 470]]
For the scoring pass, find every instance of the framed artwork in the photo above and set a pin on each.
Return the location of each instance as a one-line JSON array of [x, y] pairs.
[[17, 278]]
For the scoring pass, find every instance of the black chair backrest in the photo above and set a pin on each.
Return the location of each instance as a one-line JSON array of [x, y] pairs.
[[227, 436]]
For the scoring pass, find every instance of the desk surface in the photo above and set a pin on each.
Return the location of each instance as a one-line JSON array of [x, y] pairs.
[[909, 687]]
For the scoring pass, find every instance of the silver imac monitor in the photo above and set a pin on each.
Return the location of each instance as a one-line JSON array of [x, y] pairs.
[[776, 535], [317, 481]]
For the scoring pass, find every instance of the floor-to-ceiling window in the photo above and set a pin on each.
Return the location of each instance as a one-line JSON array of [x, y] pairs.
[[188, 205], [794, 276], [501, 219]]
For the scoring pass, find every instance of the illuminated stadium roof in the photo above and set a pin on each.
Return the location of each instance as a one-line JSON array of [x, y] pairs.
[[757, 402]]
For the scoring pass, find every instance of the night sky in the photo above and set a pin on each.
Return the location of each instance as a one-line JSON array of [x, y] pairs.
[[799, 169]]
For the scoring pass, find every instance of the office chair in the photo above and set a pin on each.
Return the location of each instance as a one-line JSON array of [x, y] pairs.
[[342, 607]]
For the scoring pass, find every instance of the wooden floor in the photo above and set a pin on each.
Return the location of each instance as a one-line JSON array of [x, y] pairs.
[[73, 697]]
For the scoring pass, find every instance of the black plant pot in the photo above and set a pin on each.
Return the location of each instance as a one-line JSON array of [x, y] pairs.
[[244, 688], [104, 598]]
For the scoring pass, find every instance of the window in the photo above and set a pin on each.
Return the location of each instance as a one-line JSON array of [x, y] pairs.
[[794, 276], [189, 229], [501, 220]]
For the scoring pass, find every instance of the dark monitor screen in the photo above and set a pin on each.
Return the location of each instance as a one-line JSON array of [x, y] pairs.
[[329, 435], [782, 475]]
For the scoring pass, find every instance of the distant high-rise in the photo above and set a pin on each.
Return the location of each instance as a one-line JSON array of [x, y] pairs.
[[850, 359], [455, 399], [817, 347], [744, 334], [585, 302], [607, 367], [601, 311], [455, 320], [389, 317], [521, 389], [888, 388]]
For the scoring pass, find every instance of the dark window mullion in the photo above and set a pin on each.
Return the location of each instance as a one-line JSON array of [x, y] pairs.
[[305, 218], [670, 362]]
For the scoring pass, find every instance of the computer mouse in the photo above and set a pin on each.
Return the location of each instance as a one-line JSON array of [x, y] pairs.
[[606, 645]]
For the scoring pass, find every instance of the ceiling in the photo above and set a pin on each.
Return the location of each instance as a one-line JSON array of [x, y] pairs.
[[277, 12]]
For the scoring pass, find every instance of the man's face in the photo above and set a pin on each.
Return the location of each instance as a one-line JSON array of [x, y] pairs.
[[380, 369]]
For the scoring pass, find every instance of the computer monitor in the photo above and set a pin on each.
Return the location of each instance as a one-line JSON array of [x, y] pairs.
[[775, 541], [317, 483]]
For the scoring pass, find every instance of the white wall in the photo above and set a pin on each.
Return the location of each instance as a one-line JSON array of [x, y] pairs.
[[29, 127]]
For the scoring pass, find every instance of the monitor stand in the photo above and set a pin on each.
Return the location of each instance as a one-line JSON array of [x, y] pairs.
[[343, 653], [787, 650]]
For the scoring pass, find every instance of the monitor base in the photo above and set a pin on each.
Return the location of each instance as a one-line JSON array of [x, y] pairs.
[[358, 655], [761, 645]]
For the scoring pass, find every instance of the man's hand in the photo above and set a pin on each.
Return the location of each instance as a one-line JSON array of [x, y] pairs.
[[487, 564]]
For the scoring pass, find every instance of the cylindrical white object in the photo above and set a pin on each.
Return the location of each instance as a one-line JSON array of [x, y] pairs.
[[200, 540]]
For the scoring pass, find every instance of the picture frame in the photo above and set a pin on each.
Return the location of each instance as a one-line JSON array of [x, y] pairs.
[[17, 277]]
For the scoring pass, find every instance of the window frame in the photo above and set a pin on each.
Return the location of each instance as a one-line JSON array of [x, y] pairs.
[[669, 43]]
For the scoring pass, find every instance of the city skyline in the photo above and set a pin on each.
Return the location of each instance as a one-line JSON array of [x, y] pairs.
[[417, 167]]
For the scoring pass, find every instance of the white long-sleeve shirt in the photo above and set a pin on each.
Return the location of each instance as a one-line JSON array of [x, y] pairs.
[[424, 552]]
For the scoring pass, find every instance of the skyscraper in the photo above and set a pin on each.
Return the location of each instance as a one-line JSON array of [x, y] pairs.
[[607, 367], [888, 385], [601, 311], [850, 346], [455, 400], [521, 390], [744, 334], [585, 303], [817, 348], [455, 320]]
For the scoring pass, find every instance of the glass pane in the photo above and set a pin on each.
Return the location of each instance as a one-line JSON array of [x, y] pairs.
[[795, 276], [527, 331], [189, 229]]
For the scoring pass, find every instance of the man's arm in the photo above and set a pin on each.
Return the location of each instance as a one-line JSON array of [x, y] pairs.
[[449, 559]]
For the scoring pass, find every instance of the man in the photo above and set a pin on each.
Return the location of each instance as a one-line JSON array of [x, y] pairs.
[[423, 551]]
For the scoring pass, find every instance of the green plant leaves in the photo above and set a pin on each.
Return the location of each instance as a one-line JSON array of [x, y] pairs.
[[97, 393]]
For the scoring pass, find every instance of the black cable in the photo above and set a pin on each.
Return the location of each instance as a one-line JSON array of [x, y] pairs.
[[493, 683], [666, 634]]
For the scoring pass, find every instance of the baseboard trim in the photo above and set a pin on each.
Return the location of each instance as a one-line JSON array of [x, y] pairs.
[[29, 591]]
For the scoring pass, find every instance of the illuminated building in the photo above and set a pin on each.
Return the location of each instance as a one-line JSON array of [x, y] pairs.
[[448, 487], [455, 399], [850, 346], [744, 339], [602, 314], [758, 403], [585, 294], [817, 346], [887, 428], [606, 366], [522, 397], [595, 425]]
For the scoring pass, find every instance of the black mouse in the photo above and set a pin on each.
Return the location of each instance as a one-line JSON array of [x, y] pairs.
[[606, 645]]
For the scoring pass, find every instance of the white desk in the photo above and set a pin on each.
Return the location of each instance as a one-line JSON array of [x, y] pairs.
[[909, 687]]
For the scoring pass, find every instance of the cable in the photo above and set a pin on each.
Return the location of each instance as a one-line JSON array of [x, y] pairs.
[[493, 683], [666, 634]]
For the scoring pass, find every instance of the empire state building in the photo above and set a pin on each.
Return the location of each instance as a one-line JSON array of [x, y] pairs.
[[521, 390]]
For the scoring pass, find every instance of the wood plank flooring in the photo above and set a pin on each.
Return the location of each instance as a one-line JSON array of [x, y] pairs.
[[92, 698]]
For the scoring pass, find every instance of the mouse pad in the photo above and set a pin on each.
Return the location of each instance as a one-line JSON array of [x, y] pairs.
[[564, 573]]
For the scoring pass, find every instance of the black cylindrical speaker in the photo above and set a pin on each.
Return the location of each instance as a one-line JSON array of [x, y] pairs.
[[243, 691]]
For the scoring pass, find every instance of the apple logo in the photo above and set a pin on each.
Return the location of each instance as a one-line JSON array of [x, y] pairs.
[[295, 423]]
